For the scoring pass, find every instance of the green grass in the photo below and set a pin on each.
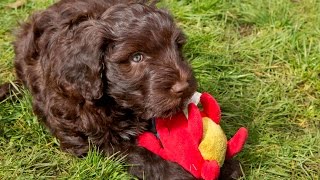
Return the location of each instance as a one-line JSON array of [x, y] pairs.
[[260, 59]]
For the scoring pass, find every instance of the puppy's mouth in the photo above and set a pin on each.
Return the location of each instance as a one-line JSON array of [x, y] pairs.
[[164, 100], [167, 107]]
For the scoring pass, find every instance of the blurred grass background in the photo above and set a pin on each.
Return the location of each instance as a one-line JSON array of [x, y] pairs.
[[260, 59]]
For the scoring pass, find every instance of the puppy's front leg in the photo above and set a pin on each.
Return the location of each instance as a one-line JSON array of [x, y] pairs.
[[146, 165]]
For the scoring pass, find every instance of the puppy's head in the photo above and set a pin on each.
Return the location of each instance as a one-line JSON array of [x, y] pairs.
[[137, 59], [145, 67]]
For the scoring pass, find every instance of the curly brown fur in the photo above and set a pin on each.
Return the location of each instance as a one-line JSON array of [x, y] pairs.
[[79, 60]]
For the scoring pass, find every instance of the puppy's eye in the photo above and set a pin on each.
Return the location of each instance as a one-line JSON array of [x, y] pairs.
[[137, 57]]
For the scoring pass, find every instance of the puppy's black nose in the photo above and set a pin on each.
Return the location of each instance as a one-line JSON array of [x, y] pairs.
[[179, 87]]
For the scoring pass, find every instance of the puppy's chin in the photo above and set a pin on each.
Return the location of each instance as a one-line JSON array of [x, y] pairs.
[[164, 112]]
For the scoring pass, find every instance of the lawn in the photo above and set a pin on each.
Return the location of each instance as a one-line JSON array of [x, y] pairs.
[[260, 59]]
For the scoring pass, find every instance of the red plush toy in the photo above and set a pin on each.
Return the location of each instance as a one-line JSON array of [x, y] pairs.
[[197, 143]]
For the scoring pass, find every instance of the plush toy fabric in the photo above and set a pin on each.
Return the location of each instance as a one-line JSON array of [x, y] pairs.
[[214, 142], [196, 142]]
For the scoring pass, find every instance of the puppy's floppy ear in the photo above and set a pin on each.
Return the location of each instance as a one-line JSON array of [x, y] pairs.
[[83, 54]]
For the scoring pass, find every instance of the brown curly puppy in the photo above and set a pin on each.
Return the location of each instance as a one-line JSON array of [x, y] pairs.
[[99, 71]]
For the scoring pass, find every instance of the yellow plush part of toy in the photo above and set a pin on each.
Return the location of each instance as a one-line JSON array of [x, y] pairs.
[[214, 142]]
